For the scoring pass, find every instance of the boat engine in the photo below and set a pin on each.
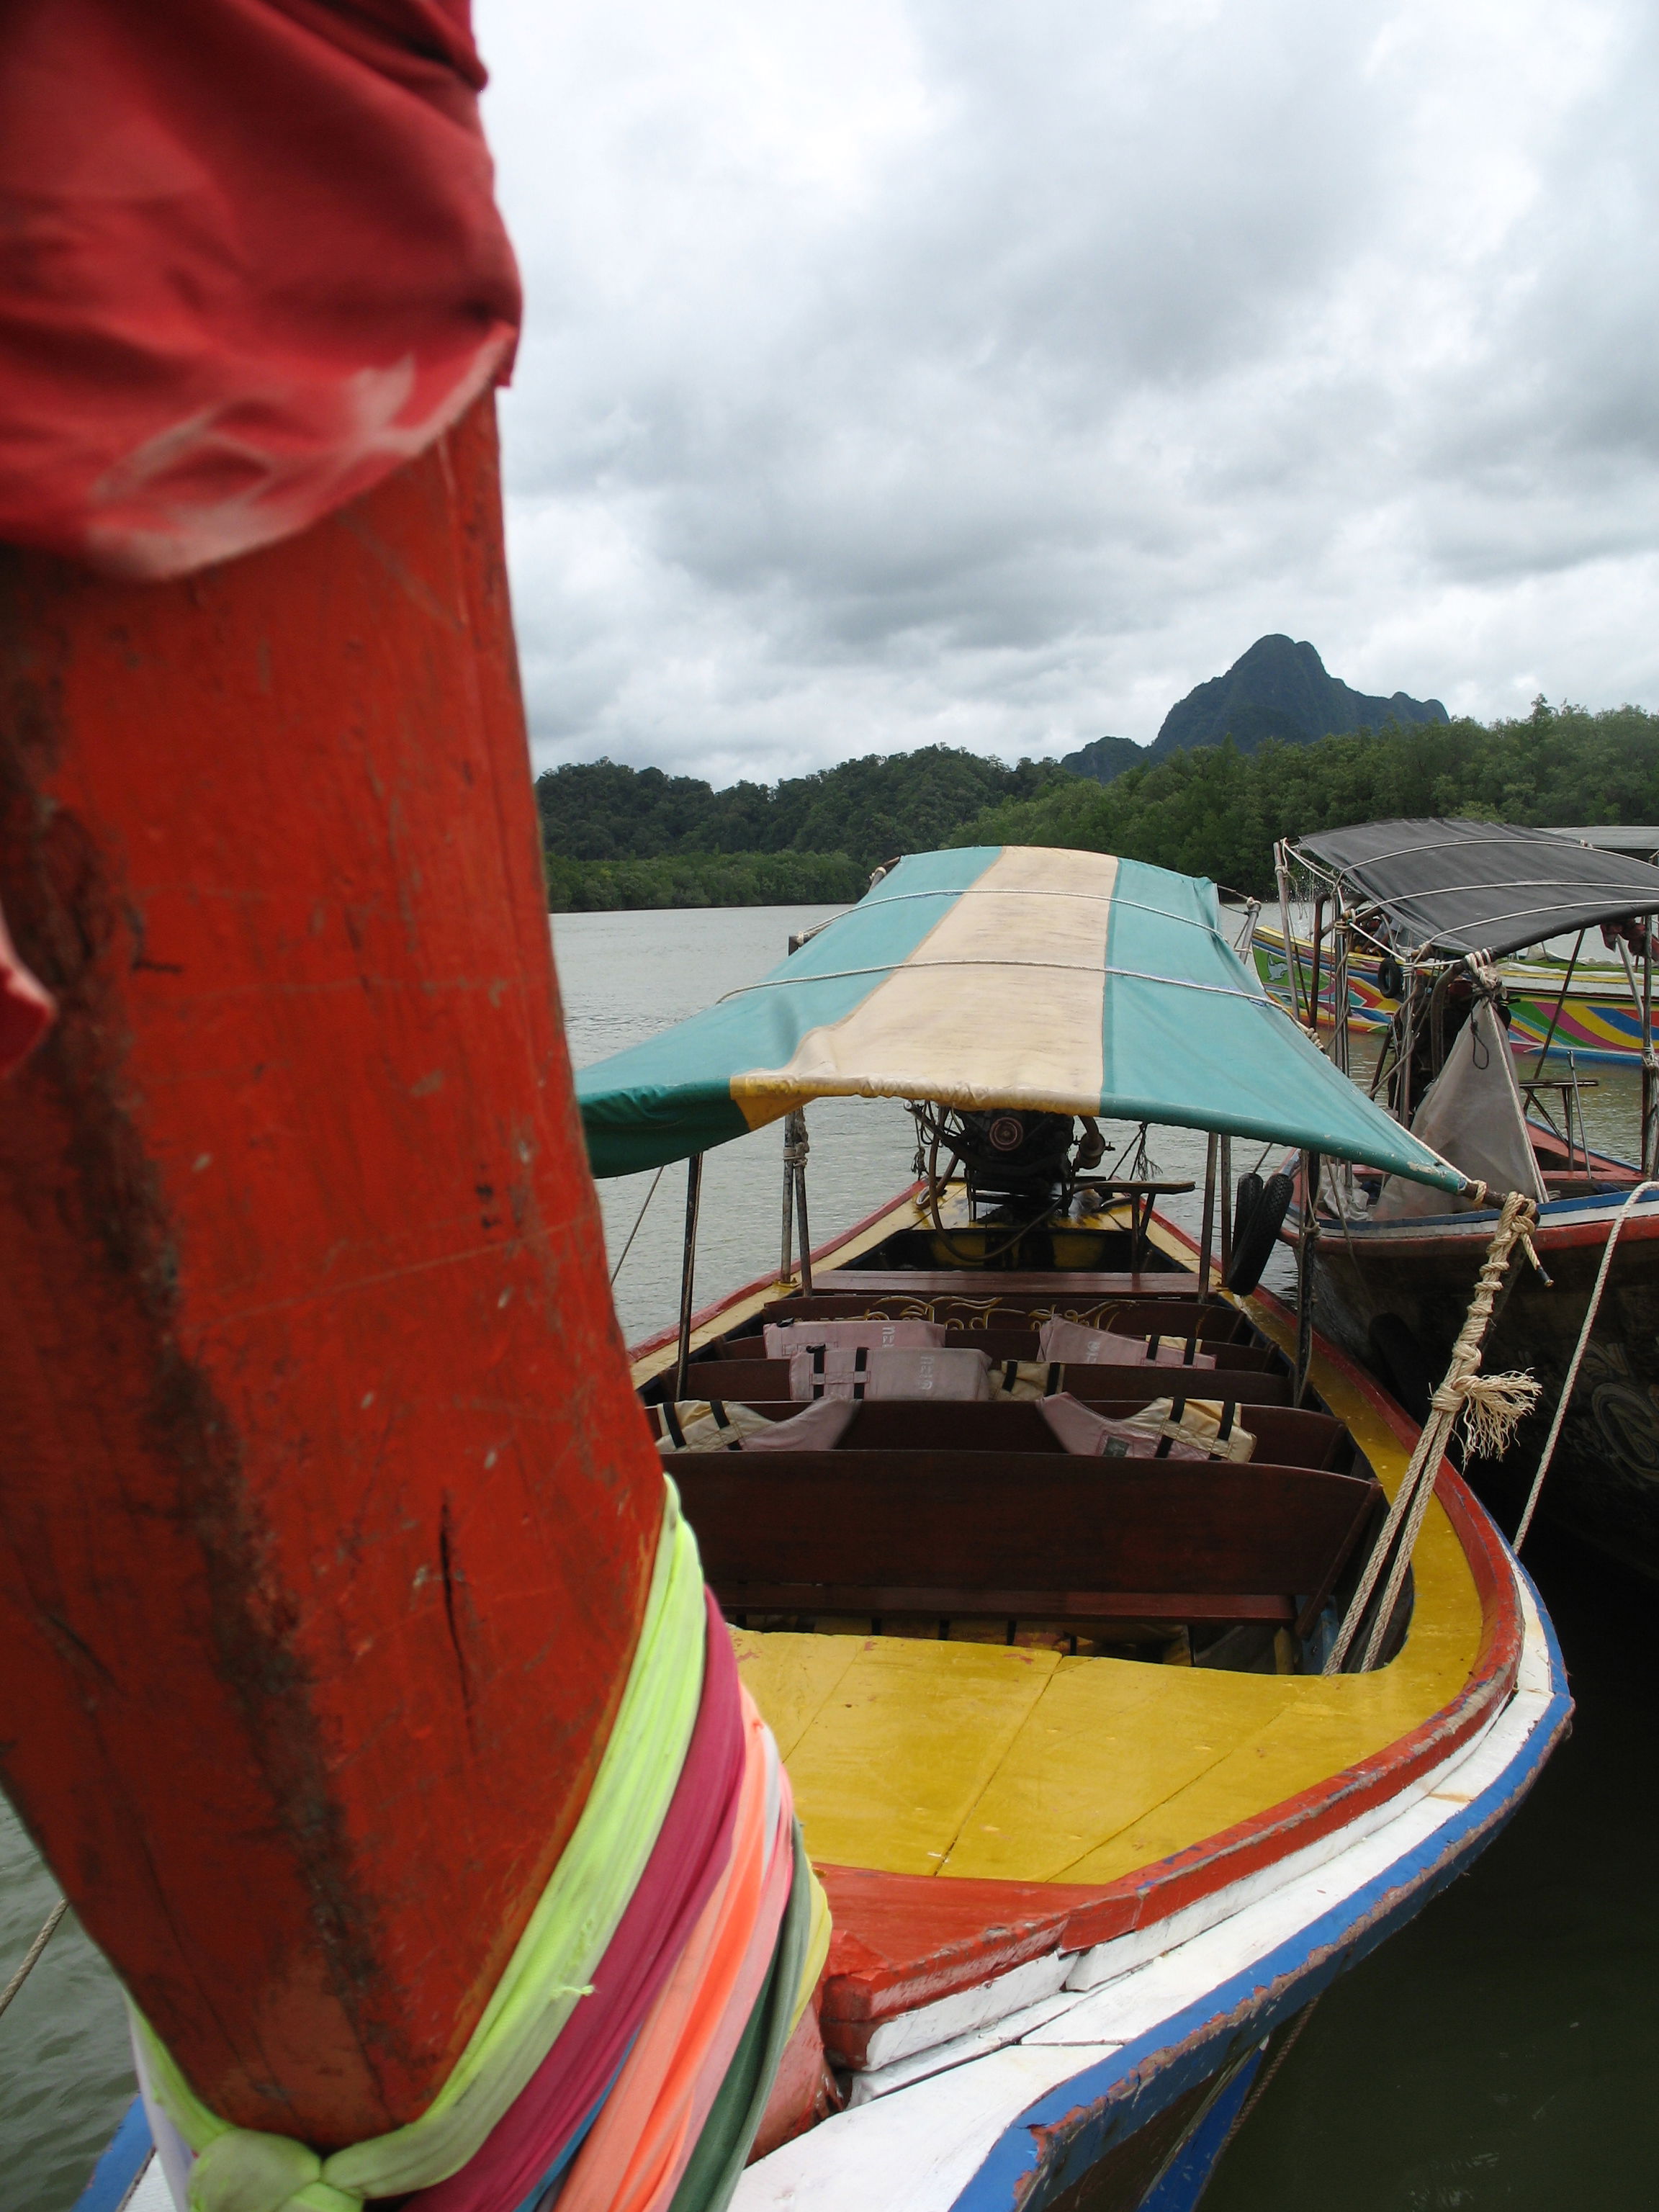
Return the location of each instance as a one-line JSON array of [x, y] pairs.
[[1011, 1155]]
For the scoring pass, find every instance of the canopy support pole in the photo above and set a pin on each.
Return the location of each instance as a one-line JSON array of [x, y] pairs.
[[688, 1265], [787, 1254], [1549, 1033], [1316, 978], [1642, 999], [1342, 956], [1408, 1046], [1292, 978], [1226, 1164], [795, 1149], [1305, 1258], [798, 1120], [1650, 1116], [1207, 1245]]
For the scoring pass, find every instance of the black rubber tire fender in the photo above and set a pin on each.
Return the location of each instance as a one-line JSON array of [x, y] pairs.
[[1252, 1248], [1250, 1197]]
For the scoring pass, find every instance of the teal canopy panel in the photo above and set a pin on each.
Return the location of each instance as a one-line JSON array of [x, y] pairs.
[[1001, 976]]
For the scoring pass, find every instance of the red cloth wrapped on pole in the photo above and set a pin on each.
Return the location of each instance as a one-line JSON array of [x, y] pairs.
[[250, 263], [26, 1011], [357, 1676]]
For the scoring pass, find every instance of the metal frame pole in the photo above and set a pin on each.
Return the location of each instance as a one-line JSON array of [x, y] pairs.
[[1341, 959], [795, 1150], [1642, 995], [1402, 1073], [1305, 1256], [1561, 1001], [786, 1257], [1650, 1101], [1226, 1167], [1316, 977], [805, 1233], [1291, 977], [1208, 1242], [688, 1265]]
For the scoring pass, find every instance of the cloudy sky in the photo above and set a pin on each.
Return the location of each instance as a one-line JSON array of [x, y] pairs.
[[901, 372]]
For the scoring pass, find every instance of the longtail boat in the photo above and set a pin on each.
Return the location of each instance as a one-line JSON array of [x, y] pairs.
[[359, 1679], [1392, 1267], [1046, 1663]]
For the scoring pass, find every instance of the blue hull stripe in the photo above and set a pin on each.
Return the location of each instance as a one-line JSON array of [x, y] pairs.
[[1066, 2130], [121, 2164]]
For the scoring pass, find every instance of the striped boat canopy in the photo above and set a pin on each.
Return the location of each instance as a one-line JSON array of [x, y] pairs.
[[1000, 976]]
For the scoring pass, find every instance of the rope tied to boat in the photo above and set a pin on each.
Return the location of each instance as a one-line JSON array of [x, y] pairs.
[[1491, 1407], [32, 1957]]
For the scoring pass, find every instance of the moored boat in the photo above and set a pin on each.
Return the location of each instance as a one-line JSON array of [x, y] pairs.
[[1095, 1826], [1392, 1270]]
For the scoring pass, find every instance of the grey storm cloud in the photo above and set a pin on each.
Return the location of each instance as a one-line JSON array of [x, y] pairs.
[[904, 373]]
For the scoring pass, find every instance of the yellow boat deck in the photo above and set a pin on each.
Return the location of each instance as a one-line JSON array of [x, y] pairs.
[[913, 1756]]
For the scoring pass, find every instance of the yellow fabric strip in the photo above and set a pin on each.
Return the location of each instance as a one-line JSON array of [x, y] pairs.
[[1037, 1044], [239, 2170], [817, 1946]]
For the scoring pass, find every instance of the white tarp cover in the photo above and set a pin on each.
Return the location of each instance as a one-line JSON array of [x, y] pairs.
[[1472, 1115]]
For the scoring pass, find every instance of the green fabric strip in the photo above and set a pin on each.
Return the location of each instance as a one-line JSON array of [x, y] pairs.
[[1237, 1065], [671, 1096], [244, 2170], [711, 2178]]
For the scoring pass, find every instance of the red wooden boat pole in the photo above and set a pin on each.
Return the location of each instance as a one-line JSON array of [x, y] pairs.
[[325, 1514]]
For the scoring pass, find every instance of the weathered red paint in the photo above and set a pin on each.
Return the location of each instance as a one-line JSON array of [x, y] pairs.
[[902, 1941], [326, 1511]]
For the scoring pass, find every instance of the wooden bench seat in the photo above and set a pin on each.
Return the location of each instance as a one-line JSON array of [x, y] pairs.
[[961, 1534], [747, 1381], [1211, 1322], [1021, 1344], [1285, 1437]]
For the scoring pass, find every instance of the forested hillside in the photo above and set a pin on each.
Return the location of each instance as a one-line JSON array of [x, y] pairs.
[[1215, 811], [626, 837], [620, 836], [1103, 758]]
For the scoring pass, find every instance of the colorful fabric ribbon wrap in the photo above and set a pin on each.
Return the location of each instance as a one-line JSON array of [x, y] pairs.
[[623, 2062]]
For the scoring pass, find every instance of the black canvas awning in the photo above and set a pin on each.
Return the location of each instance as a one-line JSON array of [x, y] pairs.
[[1490, 887]]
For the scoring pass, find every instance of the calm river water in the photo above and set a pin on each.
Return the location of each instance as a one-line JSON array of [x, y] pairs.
[[1500, 2052]]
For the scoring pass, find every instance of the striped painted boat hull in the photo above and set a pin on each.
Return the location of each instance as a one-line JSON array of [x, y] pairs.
[[1598, 1023]]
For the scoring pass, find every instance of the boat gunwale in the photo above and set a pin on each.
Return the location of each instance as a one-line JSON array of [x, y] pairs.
[[1420, 1234], [860, 1999], [1059, 2135], [1047, 2142]]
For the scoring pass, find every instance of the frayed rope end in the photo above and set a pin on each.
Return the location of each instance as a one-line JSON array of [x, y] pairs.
[[1494, 1407]]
